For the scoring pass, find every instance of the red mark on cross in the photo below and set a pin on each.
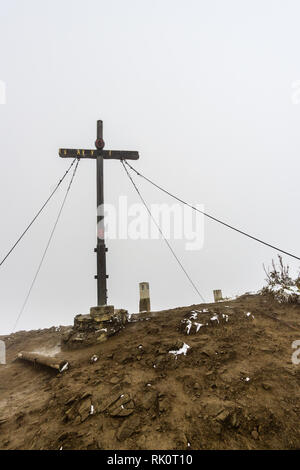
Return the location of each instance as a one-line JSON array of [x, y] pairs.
[[101, 233]]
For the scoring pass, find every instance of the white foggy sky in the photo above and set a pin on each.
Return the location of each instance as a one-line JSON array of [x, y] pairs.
[[202, 89]]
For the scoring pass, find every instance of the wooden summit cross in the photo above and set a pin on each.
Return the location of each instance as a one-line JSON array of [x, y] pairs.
[[99, 154]]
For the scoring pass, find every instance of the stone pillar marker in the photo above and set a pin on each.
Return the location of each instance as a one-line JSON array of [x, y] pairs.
[[2, 353], [218, 295], [144, 297]]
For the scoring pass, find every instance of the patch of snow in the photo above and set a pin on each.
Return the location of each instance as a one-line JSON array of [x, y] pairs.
[[65, 367], [284, 293], [215, 318], [183, 350], [249, 314], [92, 410], [198, 325], [294, 289], [188, 327]]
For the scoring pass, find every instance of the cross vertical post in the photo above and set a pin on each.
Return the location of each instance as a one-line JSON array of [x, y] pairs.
[[101, 248], [99, 154]]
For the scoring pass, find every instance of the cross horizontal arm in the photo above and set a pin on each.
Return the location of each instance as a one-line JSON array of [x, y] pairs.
[[120, 155], [107, 154]]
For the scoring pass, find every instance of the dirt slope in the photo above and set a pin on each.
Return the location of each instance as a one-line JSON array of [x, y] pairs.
[[236, 388]]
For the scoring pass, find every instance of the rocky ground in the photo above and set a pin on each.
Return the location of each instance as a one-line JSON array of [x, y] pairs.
[[228, 384]]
